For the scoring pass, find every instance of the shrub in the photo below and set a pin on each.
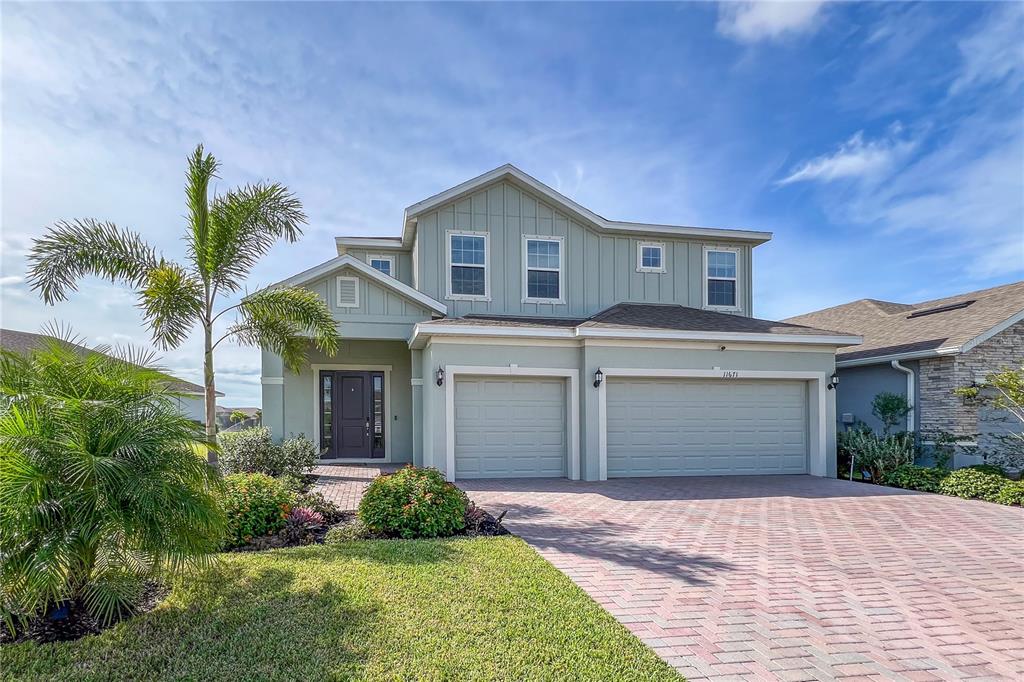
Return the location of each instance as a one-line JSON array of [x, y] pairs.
[[1012, 492], [879, 455], [101, 488], [911, 477], [256, 505], [890, 409], [972, 484], [413, 503], [253, 451], [300, 526], [347, 532], [989, 469], [321, 505]]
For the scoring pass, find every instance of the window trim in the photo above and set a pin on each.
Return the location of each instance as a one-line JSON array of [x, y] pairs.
[[737, 279], [486, 266], [337, 292], [526, 298], [370, 257], [640, 256]]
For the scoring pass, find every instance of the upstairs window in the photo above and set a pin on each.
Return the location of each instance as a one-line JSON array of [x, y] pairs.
[[467, 270], [650, 257], [720, 268], [385, 264], [542, 272]]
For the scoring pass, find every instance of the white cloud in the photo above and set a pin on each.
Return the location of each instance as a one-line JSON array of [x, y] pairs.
[[855, 158], [995, 52], [10, 280], [753, 21]]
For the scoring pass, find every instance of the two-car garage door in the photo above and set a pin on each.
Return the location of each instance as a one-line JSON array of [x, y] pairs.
[[700, 427]]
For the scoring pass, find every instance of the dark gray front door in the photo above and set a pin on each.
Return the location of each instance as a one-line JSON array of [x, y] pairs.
[[351, 414]]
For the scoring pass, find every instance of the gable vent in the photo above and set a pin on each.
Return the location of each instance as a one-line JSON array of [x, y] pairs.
[[348, 292], [940, 309]]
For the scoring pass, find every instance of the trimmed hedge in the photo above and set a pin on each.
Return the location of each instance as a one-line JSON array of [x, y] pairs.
[[413, 503], [912, 477], [1011, 493], [972, 484]]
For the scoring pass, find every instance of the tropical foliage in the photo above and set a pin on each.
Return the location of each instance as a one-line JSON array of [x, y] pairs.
[[254, 451], [890, 409], [413, 503], [1004, 391], [101, 487], [879, 455], [256, 505], [226, 235]]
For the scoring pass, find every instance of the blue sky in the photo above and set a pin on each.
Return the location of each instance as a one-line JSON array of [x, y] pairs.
[[882, 143]]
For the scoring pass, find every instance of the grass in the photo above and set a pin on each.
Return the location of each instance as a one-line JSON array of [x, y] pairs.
[[486, 608]]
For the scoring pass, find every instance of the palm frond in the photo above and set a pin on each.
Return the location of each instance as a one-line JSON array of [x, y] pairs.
[[243, 226], [72, 250], [201, 169], [172, 302], [285, 321]]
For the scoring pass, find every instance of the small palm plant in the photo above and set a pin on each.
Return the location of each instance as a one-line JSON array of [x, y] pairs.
[[226, 235], [101, 487]]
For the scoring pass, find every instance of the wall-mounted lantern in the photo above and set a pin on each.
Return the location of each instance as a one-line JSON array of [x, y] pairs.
[[439, 375], [833, 381], [598, 378]]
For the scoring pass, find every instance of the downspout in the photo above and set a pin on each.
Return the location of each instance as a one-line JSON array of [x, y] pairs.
[[910, 394]]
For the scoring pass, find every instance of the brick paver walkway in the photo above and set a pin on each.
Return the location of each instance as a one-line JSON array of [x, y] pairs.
[[787, 577], [343, 484]]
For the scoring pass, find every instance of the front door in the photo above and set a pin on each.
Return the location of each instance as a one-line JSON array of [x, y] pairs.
[[351, 414]]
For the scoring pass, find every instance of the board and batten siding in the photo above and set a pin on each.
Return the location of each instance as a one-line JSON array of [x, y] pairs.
[[599, 267], [402, 259], [376, 303]]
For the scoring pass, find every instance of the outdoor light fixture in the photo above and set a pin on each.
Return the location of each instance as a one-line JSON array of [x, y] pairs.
[[833, 381], [598, 378], [440, 376]]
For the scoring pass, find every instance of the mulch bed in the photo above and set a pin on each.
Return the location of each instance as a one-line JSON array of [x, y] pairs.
[[71, 621]]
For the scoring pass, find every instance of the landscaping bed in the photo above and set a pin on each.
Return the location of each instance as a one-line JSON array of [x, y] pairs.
[[488, 608]]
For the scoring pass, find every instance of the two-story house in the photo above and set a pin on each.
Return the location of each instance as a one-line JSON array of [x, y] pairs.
[[511, 332]]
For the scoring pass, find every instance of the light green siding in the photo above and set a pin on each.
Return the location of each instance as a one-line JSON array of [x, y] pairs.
[[402, 259], [599, 267], [290, 408]]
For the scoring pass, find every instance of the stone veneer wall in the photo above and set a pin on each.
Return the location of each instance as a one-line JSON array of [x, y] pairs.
[[941, 410]]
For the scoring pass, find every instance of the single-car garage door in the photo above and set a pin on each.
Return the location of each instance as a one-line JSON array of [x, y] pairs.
[[701, 427], [509, 427]]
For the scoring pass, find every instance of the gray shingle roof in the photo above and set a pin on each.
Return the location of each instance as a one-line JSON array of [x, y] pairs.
[[643, 316], [895, 328], [23, 342]]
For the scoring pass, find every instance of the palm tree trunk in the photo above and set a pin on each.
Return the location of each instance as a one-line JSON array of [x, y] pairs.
[[211, 393]]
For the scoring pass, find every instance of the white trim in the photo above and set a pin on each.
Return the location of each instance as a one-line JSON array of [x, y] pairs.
[[736, 280], [508, 171], [337, 291], [886, 359], [388, 416], [571, 406], [370, 257], [348, 260], [435, 329], [640, 246], [527, 238], [272, 381], [416, 382], [985, 336], [448, 234], [817, 448], [378, 243]]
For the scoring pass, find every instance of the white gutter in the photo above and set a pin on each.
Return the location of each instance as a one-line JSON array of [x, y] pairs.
[[431, 329], [913, 355], [910, 391]]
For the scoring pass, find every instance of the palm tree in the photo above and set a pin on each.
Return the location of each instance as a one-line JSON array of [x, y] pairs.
[[101, 486], [226, 235]]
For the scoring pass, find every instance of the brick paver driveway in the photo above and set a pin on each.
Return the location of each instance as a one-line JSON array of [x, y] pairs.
[[787, 577]]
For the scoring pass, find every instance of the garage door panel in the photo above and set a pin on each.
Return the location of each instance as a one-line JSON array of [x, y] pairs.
[[510, 427], [675, 427]]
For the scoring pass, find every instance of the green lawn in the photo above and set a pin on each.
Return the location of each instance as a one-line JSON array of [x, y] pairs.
[[487, 608]]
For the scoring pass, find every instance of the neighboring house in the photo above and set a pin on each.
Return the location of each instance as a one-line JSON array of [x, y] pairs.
[[511, 332], [191, 400], [224, 415], [925, 350]]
